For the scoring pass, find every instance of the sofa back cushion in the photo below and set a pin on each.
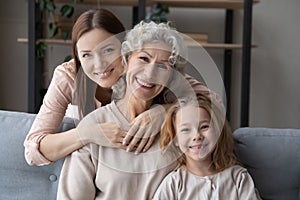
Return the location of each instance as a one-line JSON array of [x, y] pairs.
[[18, 179], [272, 157]]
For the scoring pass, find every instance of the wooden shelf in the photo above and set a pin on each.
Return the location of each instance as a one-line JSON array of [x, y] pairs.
[[193, 44], [47, 41], [227, 4], [104, 2]]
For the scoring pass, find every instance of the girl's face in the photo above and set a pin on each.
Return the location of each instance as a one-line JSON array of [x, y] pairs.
[[195, 135], [148, 70], [99, 55]]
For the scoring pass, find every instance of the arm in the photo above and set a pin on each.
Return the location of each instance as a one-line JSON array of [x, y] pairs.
[[43, 144], [246, 188], [77, 175], [50, 116], [167, 189]]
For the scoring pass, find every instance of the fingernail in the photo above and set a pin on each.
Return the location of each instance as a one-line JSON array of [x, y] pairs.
[[124, 142], [136, 152], [127, 149]]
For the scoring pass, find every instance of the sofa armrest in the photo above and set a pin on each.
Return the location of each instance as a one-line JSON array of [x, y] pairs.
[[272, 157], [18, 179]]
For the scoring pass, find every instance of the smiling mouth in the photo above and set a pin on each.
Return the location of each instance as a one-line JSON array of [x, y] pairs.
[[196, 147], [104, 74], [144, 84]]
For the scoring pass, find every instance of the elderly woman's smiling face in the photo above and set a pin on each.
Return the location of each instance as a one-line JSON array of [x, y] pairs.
[[148, 70]]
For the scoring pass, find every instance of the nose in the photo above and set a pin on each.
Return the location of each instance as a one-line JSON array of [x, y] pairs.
[[100, 63], [198, 136], [150, 70]]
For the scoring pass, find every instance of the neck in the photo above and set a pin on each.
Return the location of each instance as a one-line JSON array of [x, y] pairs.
[[204, 168], [131, 107]]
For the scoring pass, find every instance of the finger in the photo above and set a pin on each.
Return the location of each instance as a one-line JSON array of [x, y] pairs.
[[132, 131], [150, 141], [136, 138], [133, 143], [148, 132], [141, 145]]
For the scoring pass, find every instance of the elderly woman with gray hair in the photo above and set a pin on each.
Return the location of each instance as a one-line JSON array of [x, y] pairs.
[[153, 57]]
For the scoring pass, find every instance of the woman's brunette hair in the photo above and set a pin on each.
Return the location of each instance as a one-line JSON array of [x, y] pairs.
[[84, 91]]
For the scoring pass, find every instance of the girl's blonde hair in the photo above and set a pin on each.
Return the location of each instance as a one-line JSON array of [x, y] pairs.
[[223, 155]]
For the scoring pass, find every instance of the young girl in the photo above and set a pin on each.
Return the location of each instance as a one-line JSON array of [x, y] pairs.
[[208, 168]]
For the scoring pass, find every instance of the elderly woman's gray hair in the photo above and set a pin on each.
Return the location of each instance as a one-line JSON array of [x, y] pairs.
[[147, 32]]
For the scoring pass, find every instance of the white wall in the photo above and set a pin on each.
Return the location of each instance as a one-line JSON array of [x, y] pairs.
[[275, 95], [275, 66]]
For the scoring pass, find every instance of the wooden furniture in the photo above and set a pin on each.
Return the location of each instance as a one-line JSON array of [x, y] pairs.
[[139, 12]]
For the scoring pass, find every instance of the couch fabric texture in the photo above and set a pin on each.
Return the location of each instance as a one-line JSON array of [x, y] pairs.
[[18, 180], [272, 157]]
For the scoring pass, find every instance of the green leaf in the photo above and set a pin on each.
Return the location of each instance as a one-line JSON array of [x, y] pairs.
[[50, 6], [41, 50], [53, 29], [66, 35], [67, 11], [42, 4]]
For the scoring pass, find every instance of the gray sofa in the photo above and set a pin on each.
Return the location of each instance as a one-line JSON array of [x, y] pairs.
[[272, 157]]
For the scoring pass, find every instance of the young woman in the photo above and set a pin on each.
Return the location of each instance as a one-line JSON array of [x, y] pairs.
[[208, 168], [152, 61]]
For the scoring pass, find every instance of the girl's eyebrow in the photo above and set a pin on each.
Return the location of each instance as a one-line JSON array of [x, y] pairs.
[[200, 122]]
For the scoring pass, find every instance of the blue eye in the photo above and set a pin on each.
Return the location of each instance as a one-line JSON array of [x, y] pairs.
[[204, 127], [184, 130], [108, 50], [162, 66]]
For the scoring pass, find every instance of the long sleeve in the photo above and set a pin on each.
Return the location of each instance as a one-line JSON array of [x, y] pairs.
[[51, 113], [78, 175], [246, 188], [167, 189]]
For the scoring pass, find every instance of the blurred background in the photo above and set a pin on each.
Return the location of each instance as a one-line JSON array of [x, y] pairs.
[[275, 62]]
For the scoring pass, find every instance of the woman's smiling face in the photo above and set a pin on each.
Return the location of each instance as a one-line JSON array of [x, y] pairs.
[[99, 55], [148, 70]]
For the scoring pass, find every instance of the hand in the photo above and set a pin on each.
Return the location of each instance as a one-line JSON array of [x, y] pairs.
[[104, 134], [144, 129]]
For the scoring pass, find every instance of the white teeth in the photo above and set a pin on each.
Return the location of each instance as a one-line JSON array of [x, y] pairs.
[[103, 74], [144, 84]]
